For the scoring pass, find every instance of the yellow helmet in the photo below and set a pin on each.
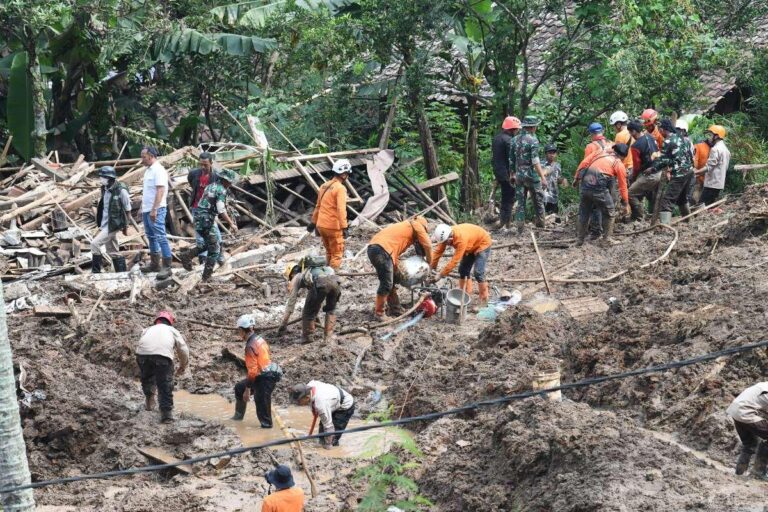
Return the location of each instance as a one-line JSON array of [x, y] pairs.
[[718, 130], [288, 270]]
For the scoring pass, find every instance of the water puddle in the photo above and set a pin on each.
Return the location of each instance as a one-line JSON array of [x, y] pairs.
[[543, 304], [297, 420], [670, 439]]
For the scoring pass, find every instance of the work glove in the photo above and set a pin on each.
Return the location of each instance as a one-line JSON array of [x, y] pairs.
[[345, 232], [311, 228]]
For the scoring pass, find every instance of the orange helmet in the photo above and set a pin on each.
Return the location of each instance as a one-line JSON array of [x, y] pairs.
[[649, 116], [510, 123], [718, 130]]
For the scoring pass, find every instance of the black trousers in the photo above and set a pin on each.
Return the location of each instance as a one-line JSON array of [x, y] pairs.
[[385, 269], [709, 195], [751, 433], [340, 418], [507, 200], [261, 389], [157, 374], [676, 193], [326, 289]]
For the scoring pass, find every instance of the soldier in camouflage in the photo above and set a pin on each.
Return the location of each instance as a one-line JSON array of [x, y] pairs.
[[677, 158], [529, 174], [211, 205]]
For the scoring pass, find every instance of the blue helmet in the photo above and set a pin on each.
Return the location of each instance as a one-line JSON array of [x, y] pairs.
[[595, 128]]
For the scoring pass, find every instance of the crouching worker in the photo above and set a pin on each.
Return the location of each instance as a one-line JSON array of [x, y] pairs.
[[596, 174], [471, 249], [287, 496], [263, 374], [330, 403], [384, 251], [750, 416], [111, 217], [154, 355], [211, 205], [322, 285]]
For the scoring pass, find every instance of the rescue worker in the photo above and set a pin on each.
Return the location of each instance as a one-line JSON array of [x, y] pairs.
[[501, 169], [552, 171], [749, 412], [331, 404], [288, 497], [619, 120], [529, 174], [198, 179], [330, 215], [598, 143], [596, 174], [677, 158], [262, 377], [154, 355], [322, 285], [384, 251], [649, 117], [717, 165], [154, 206], [646, 177], [211, 205], [700, 157], [471, 249], [111, 217]]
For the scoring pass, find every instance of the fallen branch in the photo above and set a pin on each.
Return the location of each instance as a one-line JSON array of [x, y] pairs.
[[388, 322]]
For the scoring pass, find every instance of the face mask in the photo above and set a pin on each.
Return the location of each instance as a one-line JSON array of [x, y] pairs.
[[105, 181]]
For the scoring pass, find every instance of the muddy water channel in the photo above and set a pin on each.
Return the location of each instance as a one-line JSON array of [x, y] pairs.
[[296, 419]]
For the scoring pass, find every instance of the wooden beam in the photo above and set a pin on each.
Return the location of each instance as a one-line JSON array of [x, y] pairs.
[[321, 156], [163, 457], [55, 311], [440, 180], [45, 169]]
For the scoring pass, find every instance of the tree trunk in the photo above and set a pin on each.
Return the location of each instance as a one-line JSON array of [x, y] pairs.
[[428, 150], [40, 147], [470, 180], [13, 455]]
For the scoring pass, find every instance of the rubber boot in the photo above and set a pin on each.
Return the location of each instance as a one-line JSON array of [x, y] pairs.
[[520, 227], [201, 259], [150, 403], [187, 255], [581, 233], [165, 272], [330, 323], [685, 210], [761, 461], [307, 330], [208, 270], [166, 416], [378, 313], [484, 293], [119, 263], [96, 260], [742, 463], [608, 226], [393, 304], [538, 221], [154, 263], [240, 406]]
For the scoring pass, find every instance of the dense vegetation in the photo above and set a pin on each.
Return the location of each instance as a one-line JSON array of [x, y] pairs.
[[82, 76]]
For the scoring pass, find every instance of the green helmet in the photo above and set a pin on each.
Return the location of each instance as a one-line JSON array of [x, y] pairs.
[[228, 175]]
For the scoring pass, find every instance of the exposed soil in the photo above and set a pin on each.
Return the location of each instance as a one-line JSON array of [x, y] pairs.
[[624, 445]]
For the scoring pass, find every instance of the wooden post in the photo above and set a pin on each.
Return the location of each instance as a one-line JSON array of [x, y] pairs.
[[541, 263]]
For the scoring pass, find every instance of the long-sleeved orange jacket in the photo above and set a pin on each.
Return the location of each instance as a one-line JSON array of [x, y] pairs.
[[256, 356], [466, 239], [610, 165], [331, 209], [396, 238]]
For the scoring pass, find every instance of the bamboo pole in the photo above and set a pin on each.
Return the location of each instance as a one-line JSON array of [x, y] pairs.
[[541, 263]]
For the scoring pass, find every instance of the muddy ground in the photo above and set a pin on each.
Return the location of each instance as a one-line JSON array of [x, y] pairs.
[[656, 442]]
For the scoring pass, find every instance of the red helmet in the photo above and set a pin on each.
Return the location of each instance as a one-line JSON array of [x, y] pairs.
[[649, 116], [168, 315], [428, 307], [510, 123]]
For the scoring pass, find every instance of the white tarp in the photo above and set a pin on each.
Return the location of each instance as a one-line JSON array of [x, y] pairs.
[[377, 168]]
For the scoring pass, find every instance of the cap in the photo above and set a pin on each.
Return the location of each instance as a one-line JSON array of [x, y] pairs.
[[227, 174], [529, 121], [550, 148], [621, 149], [152, 150], [281, 477], [298, 392]]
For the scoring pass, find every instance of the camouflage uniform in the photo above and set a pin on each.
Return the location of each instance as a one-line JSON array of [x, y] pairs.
[[677, 155], [205, 220], [525, 148]]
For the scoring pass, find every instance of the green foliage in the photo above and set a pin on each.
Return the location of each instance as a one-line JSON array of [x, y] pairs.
[[19, 106], [189, 40]]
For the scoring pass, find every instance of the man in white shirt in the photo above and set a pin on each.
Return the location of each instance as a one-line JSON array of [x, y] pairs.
[[717, 165], [330, 403], [749, 412], [155, 352], [153, 210]]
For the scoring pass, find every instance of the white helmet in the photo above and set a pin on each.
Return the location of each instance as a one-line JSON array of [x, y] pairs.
[[682, 125], [246, 321], [342, 166], [442, 233], [619, 117]]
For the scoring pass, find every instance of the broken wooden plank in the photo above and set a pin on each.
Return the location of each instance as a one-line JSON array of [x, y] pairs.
[[48, 170], [440, 180], [54, 311], [584, 306], [163, 457], [321, 156]]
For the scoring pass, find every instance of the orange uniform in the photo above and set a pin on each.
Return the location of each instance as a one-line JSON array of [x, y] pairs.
[[330, 217], [700, 158], [395, 239], [610, 165], [467, 239], [657, 136], [256, 356], [598, 144], [623, 137], [286, 500]]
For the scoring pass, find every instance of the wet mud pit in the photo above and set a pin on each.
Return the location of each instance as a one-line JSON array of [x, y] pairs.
[[657, 442]]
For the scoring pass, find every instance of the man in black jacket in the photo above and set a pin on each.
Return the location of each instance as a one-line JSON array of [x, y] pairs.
[[111, 216], [198, 179], [646, 176], [500, 160]]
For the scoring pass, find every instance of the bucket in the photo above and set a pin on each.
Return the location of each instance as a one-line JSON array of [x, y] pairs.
[[546, 380], [665, 218], [453, 302]]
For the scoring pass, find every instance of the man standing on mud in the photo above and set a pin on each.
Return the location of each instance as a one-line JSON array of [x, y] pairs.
[[749, 412], [529, 175], [501, 168], [112, 217], [646, 177], [154, 355], [717, 165], [677, 158], [153, 209], [330, 216], [198, 179], [333, 405]]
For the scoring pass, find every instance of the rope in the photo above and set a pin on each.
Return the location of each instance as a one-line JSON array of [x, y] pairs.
[[403, 421]]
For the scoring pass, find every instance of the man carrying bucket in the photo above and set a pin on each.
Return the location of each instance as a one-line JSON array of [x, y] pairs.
[[471, 249]]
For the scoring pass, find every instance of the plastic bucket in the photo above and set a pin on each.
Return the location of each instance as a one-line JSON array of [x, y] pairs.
[[454, 300], [546, 380], [665, 218]]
